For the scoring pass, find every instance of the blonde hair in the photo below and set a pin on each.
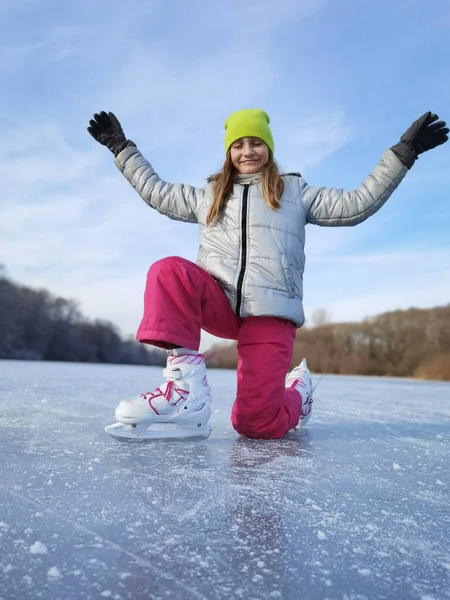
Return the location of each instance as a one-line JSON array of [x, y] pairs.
[[271, 182]]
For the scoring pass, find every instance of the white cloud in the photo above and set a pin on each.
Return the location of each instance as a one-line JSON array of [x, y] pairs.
[[181, 104], [242, 20], [56, 45], [354, 287], [314, 138], [33, 156], [169, 100]]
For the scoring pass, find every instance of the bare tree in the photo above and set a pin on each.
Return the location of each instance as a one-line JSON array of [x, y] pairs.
[[402, 343], [319, 316], [36, 325]]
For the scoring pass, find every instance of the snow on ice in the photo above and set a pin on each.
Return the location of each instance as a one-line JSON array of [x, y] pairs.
[[356, 507]]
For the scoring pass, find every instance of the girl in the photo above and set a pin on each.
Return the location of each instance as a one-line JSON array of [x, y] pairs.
[[247, 283]]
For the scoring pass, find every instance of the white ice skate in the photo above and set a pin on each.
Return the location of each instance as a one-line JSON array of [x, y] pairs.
[[300, 379], [178, 409]]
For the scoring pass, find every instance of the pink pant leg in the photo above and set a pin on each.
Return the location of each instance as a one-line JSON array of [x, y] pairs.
[[180, 299], [263, 407]]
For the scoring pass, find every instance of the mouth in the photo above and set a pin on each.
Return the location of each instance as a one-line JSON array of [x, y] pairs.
[[243, 162]]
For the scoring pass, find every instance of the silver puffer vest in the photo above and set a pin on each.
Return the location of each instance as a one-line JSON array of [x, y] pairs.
[[254, 252]]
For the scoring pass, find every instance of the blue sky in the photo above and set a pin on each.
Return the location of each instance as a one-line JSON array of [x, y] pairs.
[[341, 81]]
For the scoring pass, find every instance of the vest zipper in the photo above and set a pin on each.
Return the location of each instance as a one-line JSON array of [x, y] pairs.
[[244, 250]]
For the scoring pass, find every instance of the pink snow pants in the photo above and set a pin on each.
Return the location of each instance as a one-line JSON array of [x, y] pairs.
[[181, 298]]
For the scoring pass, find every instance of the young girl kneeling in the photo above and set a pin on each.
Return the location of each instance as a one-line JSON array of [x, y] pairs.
[[247, 284]]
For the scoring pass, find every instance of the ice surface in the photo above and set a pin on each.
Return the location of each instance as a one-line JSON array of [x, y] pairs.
[[355, 507]]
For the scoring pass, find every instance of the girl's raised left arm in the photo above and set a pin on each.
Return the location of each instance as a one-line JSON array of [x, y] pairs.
[[331, 207]]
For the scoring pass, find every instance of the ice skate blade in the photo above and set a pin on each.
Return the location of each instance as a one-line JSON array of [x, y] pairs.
[[153, 432]]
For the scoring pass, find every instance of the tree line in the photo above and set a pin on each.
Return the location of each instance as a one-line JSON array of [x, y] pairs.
[[401, 343], [36, 325]]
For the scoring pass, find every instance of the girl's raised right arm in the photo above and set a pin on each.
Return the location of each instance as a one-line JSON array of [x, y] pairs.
[[177, 201]]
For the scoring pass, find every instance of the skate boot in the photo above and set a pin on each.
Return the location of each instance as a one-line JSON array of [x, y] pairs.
[[178, 409], [300, 379]]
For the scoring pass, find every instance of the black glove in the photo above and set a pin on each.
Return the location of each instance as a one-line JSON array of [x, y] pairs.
[[424, 134], [106, 129]]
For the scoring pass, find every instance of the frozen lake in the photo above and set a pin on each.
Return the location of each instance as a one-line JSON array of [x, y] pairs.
[[355, 507]]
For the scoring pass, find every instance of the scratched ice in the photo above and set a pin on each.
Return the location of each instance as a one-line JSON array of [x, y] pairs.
[[354, 508]]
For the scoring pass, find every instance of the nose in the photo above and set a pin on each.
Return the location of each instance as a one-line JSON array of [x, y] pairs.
[[247, 149]]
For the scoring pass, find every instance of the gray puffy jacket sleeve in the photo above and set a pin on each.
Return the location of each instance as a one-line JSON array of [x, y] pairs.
[[176, 201], [331, 207]]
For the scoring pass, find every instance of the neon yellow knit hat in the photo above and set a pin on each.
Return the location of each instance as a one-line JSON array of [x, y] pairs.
[[249, 122]]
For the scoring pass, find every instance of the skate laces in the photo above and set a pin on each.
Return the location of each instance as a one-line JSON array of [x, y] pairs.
[[167, 393], [169, 390], [299, 382], [306, 406], [307, 399]]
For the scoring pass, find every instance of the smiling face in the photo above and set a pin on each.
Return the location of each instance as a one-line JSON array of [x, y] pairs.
[[249, 155]]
